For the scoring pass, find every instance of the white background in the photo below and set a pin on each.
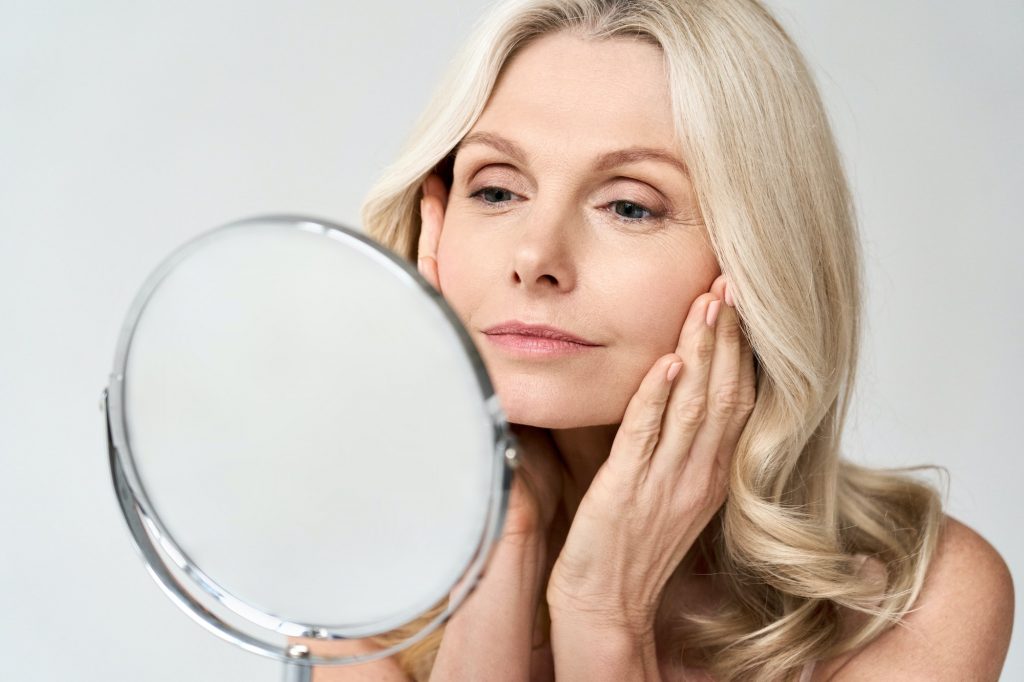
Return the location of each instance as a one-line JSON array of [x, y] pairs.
[[128, 127]]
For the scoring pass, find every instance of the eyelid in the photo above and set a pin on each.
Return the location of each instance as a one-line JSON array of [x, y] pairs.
[[503, 168], [655, 216], [648, 195], [509, 173]]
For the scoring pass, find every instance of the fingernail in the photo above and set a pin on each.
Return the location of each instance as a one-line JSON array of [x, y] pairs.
[[713, 312], [673, 370], [728, 296]]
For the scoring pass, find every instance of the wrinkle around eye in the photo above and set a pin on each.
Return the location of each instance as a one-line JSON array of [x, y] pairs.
[[479, 175]]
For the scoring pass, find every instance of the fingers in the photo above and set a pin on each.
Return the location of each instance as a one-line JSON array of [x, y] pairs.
[[709, 460], [687, 405], [709, 406], [641, 424], [432, 208], [744, 404]]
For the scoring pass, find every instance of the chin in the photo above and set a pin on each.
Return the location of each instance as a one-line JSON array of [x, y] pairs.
[[553, 407]]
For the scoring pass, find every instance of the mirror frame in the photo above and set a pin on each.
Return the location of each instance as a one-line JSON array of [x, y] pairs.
[[208, 604]]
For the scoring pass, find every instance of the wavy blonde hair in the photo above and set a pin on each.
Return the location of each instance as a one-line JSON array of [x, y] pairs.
[[776, 204]]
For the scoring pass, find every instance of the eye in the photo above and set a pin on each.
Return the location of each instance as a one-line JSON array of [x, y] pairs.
[[484, 192], [633, 208], [633, 212]]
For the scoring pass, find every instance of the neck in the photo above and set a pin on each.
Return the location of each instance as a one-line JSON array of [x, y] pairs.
[[583, 450]]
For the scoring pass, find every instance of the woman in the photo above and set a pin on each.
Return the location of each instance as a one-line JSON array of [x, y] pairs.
[[659, 180]]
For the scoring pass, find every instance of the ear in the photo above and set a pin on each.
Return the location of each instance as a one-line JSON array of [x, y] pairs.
[[434, 186], [432, 209]]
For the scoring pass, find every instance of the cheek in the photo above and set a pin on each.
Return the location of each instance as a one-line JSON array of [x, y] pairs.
[[460, 271], [647, 306], [658, 321]]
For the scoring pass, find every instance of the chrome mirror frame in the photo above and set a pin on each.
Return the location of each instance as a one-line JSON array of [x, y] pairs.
[[162, 554]]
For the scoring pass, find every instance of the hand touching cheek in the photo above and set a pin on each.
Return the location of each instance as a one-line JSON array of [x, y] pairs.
[[666, 476]]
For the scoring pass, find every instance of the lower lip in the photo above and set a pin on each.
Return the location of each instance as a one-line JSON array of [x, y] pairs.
[[536, 346]]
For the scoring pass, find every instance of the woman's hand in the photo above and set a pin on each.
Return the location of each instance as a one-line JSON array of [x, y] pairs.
[[665, 478]]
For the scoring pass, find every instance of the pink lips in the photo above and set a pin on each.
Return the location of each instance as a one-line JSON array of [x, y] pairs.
[[538, 330], [536, 339]]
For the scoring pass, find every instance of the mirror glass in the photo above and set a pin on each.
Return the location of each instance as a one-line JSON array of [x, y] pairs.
[[306, 432]]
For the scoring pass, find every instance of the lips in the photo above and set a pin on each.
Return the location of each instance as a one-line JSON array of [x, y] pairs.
[[543, 331]]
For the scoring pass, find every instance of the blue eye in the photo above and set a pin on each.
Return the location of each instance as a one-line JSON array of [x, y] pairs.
[[483, 190], [646, 214], [635, 206]]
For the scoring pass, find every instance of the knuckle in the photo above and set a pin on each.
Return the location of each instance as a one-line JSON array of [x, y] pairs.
[[691, 411], [696, 499], [654, 404], [710, 494], [746, 406], [704, 350], [726, 400], [706, 496], [730, 333], [746, 400], [642, 431]]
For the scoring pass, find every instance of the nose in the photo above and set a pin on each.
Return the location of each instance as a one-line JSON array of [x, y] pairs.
[[544, 253]]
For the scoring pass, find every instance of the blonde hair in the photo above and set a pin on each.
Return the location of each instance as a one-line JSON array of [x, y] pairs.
[[776, 204]]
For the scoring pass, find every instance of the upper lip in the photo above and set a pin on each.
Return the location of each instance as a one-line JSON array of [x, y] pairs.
[[541, 330]]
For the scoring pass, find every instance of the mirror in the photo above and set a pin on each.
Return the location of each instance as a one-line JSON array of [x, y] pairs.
[[304, 440]]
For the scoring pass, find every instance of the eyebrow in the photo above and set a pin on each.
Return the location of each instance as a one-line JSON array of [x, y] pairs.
[[606, 161]]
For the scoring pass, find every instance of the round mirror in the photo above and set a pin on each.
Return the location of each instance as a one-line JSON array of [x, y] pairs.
[[304, 440]]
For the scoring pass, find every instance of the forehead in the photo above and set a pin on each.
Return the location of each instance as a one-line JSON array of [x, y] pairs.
[[567, 95]]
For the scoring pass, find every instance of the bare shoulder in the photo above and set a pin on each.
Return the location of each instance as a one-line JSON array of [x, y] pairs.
[[380, 670], [959, 628]]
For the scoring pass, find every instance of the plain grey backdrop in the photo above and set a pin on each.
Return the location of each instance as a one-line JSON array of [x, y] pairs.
[[127, 128]]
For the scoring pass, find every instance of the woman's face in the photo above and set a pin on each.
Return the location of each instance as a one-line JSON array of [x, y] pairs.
[[543, 227]]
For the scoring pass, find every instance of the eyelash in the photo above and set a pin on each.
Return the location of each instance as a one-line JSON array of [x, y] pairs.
[[653, 216]]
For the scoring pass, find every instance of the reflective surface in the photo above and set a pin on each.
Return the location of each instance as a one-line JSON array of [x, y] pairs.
[[306, 432]]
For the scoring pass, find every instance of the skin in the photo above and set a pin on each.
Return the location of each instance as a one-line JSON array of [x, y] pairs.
[[538, 233], [621, 466], [550, 246]]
